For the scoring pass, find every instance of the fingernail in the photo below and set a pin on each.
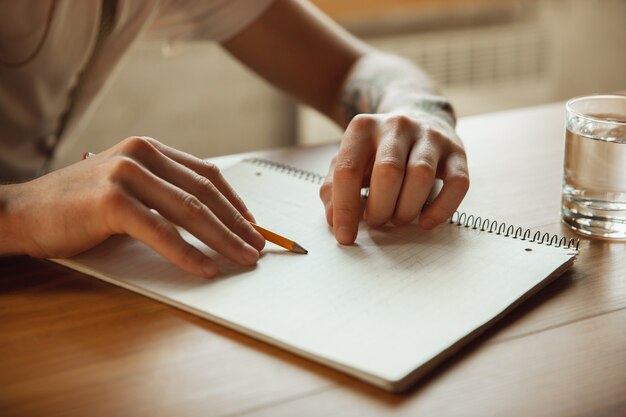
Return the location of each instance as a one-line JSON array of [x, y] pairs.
[[345, 235], [250, 255], [427, 223], [250, 216]]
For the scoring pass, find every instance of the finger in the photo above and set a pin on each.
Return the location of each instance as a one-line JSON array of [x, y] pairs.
[[352, 159], [418, 180], [198, 185], [136, 220], [185, 210], [455, 186], [326, 192], [207, 170], [387, 176]]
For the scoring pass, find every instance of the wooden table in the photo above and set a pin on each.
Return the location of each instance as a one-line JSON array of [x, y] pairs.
[[71, 345]]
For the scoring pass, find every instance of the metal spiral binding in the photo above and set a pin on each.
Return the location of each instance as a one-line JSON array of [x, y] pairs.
[[501, 228], [289, 170], [458, 218]]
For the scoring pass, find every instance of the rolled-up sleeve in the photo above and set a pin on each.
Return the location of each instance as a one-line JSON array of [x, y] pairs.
[[194, 20]]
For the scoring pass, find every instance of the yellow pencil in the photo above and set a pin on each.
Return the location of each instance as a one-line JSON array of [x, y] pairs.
[[283, 242]]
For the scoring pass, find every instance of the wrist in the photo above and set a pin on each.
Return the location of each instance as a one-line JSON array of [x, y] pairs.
[[419, 104], [11, 242]]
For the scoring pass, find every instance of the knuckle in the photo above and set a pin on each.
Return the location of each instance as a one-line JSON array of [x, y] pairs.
[[362, 121], [163, 231], [192, 205], [344, 213], [137, 146], [151, 140], [390, 169], [210, 170], [400, 122], [123, 168], [456, 148], [345, 170], [422, 170], [431, 133], [203, 182], [459, 183], [239, 222]]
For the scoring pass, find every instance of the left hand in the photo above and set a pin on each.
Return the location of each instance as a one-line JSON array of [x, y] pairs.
[[398, 156]]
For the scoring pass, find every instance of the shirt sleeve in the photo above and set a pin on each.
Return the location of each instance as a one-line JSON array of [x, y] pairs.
[[214, 20]]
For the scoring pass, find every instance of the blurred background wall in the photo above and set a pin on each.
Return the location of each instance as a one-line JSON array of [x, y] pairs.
[[486, 55]]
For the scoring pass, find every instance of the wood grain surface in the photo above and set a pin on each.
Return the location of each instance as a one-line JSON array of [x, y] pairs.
[[71, 345]]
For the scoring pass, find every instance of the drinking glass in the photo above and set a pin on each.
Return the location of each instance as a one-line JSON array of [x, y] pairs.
[[594, 174]]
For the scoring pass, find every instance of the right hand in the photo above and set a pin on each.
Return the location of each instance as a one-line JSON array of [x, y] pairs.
[[70, 210]]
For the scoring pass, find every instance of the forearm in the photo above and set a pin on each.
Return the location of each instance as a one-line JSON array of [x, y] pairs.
[[141, 188], [383, 83], [10, 242], [407, 141]]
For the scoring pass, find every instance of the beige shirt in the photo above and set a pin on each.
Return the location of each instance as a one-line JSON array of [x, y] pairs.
[[35, 96]]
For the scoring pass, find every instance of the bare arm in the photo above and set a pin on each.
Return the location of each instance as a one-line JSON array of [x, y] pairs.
[[384, 83], [399, 132], [117, 192], [9, 237]]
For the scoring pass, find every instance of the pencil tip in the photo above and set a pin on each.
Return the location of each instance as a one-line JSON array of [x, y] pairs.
[[298, 249]]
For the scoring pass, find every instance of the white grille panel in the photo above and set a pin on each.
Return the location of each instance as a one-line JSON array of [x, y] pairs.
[[481, 56]]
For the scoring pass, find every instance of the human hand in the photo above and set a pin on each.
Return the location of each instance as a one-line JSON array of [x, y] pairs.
[[399, 157], [115, 192]]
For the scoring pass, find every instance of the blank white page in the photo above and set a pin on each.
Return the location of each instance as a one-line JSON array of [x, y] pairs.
[[385, 309]]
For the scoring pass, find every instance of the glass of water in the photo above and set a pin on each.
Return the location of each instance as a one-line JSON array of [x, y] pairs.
[[594, 174]]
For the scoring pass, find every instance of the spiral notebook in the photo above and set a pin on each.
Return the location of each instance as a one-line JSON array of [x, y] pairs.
[[385, 310]]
